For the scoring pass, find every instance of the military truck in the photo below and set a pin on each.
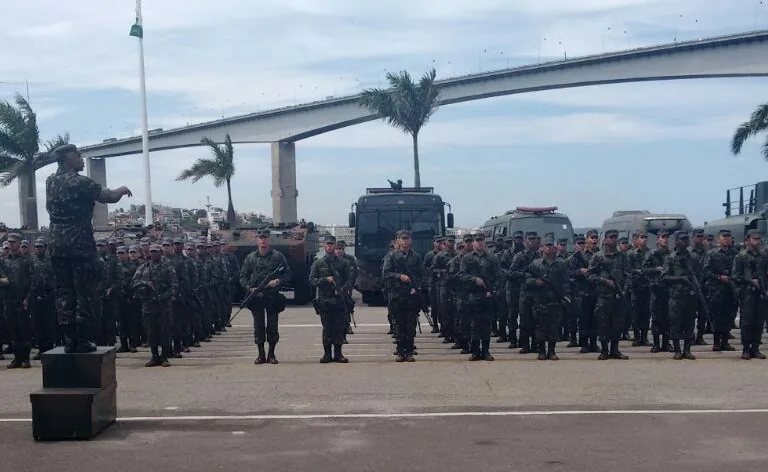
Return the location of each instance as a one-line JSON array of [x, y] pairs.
[[543, 220], [381, 213], [743, 215], [298, 242], [630, 221]]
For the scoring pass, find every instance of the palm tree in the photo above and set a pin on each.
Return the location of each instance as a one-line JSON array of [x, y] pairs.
[[20, 154], [758, 123], [405, 105], [221, 169]]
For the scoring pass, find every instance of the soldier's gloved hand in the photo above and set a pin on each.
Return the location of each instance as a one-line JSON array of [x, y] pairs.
[[405, 279], [273, 283], [539, 282], [488, 294], [479, 282]]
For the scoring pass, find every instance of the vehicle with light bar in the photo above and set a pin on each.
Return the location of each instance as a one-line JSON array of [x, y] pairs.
[[543, 220], [381, 213], [630, 222]]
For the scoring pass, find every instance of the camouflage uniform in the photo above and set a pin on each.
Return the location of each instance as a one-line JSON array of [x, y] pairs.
[[109, 306], [699, 254], [659, 297], [678, 270], [445, 295], [155, 285], [517, 275], [547, 303], [128, 308], [640, 295], [265, 306], [405, 298], [722, 296], [750, 265], [431, 283], [181, 307], [585, 298], [462, 322], [349, 302], [330, 302], [610, 310], [18, 269], [194, 299], [41, 303], [480, 306], [512, 287]]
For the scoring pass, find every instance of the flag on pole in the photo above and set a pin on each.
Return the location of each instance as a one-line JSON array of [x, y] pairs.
[[137, 30]]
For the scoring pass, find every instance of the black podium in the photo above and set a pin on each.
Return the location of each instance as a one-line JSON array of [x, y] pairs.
[[79, 395]]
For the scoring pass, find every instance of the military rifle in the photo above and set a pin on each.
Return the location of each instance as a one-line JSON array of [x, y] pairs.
[[257, 290], [563, 298], [403, 269], [694, 281], [341, 295]]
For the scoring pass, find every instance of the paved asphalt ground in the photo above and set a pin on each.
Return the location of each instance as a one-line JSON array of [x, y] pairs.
[[215, 410]]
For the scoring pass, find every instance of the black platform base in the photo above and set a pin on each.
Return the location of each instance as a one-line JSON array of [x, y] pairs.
[[91, 370], [72, 413]]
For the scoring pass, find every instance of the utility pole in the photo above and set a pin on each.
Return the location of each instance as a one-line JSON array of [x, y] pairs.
[[137, 30]]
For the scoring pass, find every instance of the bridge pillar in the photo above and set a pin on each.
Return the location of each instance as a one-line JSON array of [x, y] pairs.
[[97, 170], [284, 193]]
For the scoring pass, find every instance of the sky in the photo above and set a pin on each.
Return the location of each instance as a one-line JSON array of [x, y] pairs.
[[659, 146]]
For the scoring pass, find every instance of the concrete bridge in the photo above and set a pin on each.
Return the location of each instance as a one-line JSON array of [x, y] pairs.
[[741, 55]]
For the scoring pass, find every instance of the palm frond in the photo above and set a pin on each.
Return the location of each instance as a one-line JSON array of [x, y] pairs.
[[46, 157], [765, 150], [757, 123], [201, 168], [12, 172], [30, 136], [59, 140]]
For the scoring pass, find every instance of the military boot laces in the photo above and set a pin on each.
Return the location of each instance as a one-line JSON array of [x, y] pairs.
[[326, 355], [338, 356]]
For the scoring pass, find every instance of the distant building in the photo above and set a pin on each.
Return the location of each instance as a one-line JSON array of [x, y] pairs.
[[343, 233]]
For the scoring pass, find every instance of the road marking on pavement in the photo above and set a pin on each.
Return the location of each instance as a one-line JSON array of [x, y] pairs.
[[454, 414], [317, 325], [171, 408]]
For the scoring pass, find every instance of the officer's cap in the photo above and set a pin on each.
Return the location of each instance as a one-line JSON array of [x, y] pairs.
[[549, 241], [201, 244], [681, 235], [342, 243], [144, 240], [121, 250], [40, 242], [450, 239], [24, 243], [155, 247], [264, 233], [531, 235], [468, 238], [664, 232], [611, 232], [133, 249], [591, 233], [101, 242], [480, 237], [460, 246], [403, 233], [698, 232], [641, 232], [753, 233], [14, 237], [61, 152], [518, 234], [178, 241], [330, 239], [722, 232], [623, 240], [167, 241], [562, 241], [580, 239]]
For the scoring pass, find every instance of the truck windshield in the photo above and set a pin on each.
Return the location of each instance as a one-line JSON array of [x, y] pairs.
[[560, 226], [376, 229]]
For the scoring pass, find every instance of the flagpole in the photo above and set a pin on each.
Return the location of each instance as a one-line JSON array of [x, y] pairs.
[[138, 31]]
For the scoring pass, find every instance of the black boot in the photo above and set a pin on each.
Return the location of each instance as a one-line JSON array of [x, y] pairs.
[[262, 359], [746, 354], [615, 353], [512, 340], [400, 352], [604, 353], [542, 348], [665, 347], [593, 346], [755, 351], [584, 344], [700, 338], [475, 349], [485, 352], [717, 344], [656, 345], [551, 351], [271, 354], [525, 345], [687, 350], [643, 337], [635, 337], [326, 354], [724, 344], [124, 345], [678, 353], [338, 356], [572, 340]]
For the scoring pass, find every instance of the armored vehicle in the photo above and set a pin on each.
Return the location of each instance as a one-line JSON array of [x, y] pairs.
[[381, 213], [629, 222], [743, 215], [543, 220], [298, 242]]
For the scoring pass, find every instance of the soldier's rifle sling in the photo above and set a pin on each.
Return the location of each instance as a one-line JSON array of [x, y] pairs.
[[258, 289]]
